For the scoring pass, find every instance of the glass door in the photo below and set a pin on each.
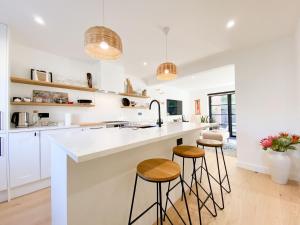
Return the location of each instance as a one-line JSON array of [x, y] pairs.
[[222, 111]]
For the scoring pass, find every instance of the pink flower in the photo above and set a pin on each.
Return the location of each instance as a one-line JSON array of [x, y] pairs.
[[295, 139], [283, 134], [266, 142]]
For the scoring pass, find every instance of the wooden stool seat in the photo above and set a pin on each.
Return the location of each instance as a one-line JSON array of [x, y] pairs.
[[158, 170], [187, 151], [209, 143]]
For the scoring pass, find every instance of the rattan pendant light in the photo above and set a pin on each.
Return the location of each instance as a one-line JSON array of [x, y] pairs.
[[101, 42], [166, 70]]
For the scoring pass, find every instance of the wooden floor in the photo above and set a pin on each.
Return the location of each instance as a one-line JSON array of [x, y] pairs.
[[255, 200]]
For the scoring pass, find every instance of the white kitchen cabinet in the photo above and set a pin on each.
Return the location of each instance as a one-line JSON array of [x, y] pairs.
[[4, 66], [45, 155], [46, 150], [24, 158], [3, 77], [111, 77], [3, 151]]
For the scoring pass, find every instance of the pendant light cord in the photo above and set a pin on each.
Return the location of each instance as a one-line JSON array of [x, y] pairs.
[[166, 47], [103, 12], [166, 31]]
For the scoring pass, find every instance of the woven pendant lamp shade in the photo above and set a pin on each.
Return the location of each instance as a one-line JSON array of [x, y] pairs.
[[166, 71], [100, 34]]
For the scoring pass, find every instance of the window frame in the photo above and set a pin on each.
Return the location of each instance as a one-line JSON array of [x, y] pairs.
[[229, 108]]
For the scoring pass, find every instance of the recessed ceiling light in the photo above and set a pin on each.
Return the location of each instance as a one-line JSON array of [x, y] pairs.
[[39, 20], [193, 77], [145, 63], [230, 24]]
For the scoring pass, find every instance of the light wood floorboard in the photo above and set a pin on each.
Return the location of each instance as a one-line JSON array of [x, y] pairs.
[[255, 200]]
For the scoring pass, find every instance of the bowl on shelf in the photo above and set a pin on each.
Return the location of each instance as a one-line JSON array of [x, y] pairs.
[[125, 102]]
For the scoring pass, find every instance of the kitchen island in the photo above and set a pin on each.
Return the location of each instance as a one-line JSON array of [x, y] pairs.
[[93, 172]]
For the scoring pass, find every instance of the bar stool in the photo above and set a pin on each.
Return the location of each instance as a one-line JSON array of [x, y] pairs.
[[193, 152], [158, 171], [216, 144]]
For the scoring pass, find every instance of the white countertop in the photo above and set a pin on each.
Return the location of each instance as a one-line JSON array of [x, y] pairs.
[[41, 128], [90, 144]]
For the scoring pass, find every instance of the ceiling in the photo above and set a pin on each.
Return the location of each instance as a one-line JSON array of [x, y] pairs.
[[198, 27], [215, 78]]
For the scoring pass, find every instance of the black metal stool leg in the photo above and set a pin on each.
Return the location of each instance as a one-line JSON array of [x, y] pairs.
[[201, 170], [220, 181], [228, 191], [182, 176], [157, 205], [201, 167], [168, 193], [132, 202], [196, 171], [160, 204], [197, 192], [192, 179], [210, 188], [185, 201]]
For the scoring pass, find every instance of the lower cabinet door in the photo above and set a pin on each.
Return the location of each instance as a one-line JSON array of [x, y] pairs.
[[24, 158], [3, 177], [45, 155], [46, 149]]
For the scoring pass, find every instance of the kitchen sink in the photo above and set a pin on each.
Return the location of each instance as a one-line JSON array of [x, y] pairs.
[[146, 126], [139, 126]]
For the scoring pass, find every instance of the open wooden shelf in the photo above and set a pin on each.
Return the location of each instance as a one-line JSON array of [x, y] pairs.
[[20, 80], [51, 104], [134, 107], [133, 95]]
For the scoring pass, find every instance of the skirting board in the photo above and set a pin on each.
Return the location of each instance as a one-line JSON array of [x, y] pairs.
[[3, 196], [29, 188], [253, 167], [262, 169]]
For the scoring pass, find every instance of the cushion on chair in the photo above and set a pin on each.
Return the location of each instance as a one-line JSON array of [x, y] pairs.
[[218, 135]]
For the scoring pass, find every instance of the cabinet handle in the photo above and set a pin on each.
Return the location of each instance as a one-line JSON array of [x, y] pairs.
[[1, 122], [0, 146], [35, 134]]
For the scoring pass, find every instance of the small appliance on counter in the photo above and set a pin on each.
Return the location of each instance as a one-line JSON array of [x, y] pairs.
[[117, 123], [20, 119], [184, 119], [84, 101]]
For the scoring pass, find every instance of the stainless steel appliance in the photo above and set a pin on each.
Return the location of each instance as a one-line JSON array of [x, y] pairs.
[[20, 119], [111, 124]]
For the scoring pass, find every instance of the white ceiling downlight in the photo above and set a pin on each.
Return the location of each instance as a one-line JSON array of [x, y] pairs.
[[39, 20], [230, 24]]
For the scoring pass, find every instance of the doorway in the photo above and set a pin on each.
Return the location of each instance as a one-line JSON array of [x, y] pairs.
[[222, 110]]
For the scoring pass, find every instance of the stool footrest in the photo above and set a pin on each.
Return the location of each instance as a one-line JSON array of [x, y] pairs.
[[222, 181], [168, 199], [143, 213], [209, 195]]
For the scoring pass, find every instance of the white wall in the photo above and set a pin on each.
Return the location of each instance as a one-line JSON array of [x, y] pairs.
[[162, 93], [23, 58], [265, 94], [202, 94], [298, 60]]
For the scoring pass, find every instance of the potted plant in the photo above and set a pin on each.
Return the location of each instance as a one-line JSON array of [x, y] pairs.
[[280, 163]]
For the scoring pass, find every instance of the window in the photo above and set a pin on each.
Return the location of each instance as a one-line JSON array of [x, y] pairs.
[[222, 110]]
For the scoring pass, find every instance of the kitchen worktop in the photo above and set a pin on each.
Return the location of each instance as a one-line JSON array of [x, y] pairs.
[[95, 169], [90, 144], [41, 128], [57, 127]]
